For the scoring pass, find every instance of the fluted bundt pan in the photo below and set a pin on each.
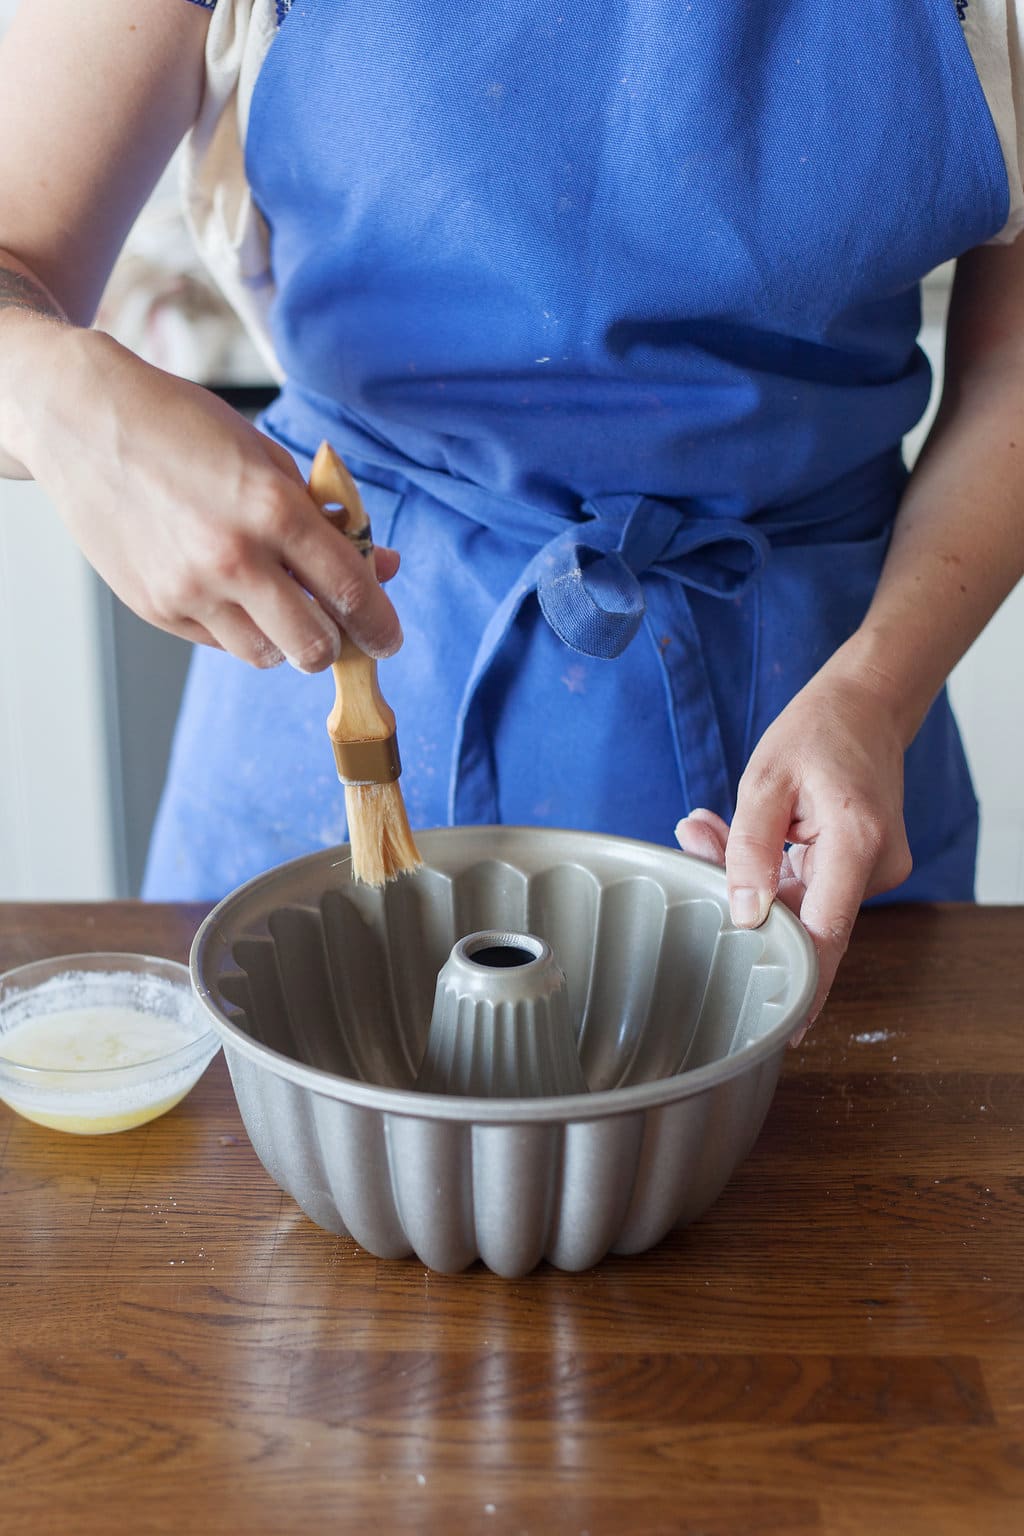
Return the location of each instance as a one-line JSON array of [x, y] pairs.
[[323, 993]]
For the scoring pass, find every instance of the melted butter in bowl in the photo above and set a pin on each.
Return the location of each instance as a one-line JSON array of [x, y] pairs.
[[99, 1043]]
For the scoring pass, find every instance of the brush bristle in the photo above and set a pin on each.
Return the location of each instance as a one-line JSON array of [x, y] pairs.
[[381, 839]]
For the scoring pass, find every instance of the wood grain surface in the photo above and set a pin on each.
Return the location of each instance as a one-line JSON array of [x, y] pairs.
[[836, 1348]]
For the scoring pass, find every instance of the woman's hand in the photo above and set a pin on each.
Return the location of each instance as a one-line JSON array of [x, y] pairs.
[[827, 778], [828, 774], [198, 522]]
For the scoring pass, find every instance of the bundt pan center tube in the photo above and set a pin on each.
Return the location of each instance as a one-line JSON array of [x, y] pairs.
[[412, 1082], [501, 1025]]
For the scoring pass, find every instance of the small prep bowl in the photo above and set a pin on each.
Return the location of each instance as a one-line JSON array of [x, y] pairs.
[[98, 1101]]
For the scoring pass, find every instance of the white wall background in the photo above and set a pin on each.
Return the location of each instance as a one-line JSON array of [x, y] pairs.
[[61, 828]]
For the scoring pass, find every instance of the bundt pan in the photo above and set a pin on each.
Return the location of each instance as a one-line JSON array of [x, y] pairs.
[[323, 992]]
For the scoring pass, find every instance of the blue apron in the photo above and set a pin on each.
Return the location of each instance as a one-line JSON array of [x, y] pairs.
[[613, 312]]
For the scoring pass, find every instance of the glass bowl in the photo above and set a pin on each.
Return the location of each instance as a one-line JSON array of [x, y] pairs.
[[94, 1078]]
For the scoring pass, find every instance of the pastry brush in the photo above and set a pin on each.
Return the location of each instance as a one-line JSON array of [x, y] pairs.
[[361, 725]]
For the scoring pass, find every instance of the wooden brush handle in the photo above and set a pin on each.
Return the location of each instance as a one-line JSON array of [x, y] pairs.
[[360, 712]]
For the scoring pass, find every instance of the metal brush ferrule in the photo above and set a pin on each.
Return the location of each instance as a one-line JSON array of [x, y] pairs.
[[367, 762], [361, 542]]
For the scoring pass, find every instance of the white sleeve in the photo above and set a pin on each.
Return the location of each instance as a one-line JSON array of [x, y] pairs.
[[1015, 37], [227, 227], [992, 35]]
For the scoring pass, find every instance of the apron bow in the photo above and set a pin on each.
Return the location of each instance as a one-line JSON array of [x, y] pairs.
[[585, 571], [587, 577]]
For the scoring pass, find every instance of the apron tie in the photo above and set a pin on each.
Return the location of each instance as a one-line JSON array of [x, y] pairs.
[[587, 578], [585, 571], [587, 583]]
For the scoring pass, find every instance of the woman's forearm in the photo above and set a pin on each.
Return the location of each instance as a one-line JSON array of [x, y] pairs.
[[819, 809], [958, 543], [95, 100], [29, 315]]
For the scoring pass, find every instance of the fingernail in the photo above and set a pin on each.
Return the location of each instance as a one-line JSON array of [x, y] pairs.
[[268, 655], [311, 671], [680, 824], [380, 651], [748, 907]]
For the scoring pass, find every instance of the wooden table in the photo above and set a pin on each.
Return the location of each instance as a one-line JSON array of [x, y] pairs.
[[837, 1347]]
